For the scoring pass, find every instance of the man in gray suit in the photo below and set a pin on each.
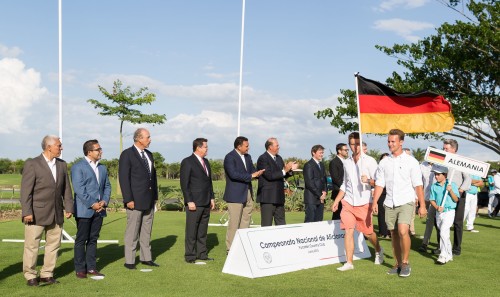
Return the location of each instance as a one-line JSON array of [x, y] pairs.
[[45, 201], [139, 187]]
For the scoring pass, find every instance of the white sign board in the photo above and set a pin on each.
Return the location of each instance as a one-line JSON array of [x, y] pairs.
[[265, 251], [457, 162]]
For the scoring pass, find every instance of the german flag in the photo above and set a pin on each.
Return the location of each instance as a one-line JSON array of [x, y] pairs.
[[382, 109], [436, 157]]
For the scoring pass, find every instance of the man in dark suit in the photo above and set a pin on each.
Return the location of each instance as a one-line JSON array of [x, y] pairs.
[[198, 192], [239, 170], [45, 201], [139, 187], [271, 187], [92, 192], [315, 186], [336, 169]]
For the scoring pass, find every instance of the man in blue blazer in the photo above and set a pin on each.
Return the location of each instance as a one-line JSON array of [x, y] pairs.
[[239, 170], [92, 192], [198, 192], [271, 188], [139, 187], [315, 186]]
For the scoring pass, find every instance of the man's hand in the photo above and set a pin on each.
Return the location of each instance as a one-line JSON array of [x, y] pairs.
[[212, 204], [375, 208], [335, 206], [68, 215], [28, 219], [131, 205], [258, 173], [192, 206], [422, 211]]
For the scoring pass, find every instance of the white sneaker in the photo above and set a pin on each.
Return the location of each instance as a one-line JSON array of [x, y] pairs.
[[442, 260], [346, 266], [474, 231], [379, 257]]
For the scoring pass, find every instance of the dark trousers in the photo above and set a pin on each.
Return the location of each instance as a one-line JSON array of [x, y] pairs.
[[382, 226], [196, 233], [269, 211], [458, 224], [336, 214], [88, 230], [314, 212], [497, 208]]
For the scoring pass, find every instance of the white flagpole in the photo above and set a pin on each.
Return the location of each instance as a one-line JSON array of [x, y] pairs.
[[60, 71], [359, 126], [241, 65]]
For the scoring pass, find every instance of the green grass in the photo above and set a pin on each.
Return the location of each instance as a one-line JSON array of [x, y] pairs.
[[471, 274]]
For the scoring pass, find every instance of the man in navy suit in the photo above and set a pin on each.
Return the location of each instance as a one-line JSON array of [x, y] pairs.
[[92, 192], [239, 170], [198, 192], [139, 187], [271, 188], [315, 186]]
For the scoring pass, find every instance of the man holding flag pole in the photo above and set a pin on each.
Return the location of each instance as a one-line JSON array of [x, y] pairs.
[[381, 110]]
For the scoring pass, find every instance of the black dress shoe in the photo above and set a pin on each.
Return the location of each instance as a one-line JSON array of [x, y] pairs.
[[129, 266], [94, 272], [32, 282], [81, 274], [49, 280], [191, 261], [150, 263], [207, 259]]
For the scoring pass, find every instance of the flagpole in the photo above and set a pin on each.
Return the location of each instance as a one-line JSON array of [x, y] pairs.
[[359, 126], [241, 65], [60, 69]]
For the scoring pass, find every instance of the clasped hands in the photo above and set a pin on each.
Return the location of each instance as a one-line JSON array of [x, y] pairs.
[[101, 205]]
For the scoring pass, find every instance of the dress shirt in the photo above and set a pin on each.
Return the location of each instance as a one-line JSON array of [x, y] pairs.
[[52, 167], [399, 175], [202, 162], [242, 159], [94, 165], [356, 192]]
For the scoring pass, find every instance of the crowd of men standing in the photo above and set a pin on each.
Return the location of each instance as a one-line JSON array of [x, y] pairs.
[[358, 186]]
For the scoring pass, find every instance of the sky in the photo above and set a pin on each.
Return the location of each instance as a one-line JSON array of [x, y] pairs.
[[298, 55]]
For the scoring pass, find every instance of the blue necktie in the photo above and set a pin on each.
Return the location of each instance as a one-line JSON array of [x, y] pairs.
[[146, 163]]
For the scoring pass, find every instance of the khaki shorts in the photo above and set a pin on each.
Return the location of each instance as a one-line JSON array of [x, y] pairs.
[[399, 215]]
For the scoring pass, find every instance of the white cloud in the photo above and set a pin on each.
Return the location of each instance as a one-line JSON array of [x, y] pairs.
[[9, 52], [407, 4], [19, 90], [403, 28]]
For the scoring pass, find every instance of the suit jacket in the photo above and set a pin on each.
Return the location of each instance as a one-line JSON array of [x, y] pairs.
[[315, 182], [271, 187], [238, 178], [336, 169], [87, 190], [135, 183], [196, 185], [41, 196]]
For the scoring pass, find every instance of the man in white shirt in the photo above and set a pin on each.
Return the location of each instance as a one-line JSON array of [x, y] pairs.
[[355, 194], [496, 181], [401, 176]]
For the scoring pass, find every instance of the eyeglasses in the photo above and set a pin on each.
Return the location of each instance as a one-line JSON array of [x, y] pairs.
[[97, 150]]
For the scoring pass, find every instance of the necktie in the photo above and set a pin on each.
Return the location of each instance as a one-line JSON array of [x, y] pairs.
[[146, 163], [204, 166], [274, 158]]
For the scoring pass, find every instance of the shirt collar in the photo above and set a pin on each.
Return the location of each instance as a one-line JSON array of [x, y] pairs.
[[91, 162]]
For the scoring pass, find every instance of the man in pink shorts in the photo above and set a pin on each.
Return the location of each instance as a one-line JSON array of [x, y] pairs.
[[355, 196]]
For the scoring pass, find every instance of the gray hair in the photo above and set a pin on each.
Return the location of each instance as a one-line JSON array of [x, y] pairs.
[[452, 142], [138, 134], [48, 140]]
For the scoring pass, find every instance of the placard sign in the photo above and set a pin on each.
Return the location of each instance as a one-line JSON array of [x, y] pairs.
[[264, 251], [457, 162]]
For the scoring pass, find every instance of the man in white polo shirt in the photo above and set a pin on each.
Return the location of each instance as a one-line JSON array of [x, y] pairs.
[[401, 176], [355, 194]]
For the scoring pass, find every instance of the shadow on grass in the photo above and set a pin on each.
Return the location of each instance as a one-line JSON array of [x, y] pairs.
[[212, 241], [161, 245], [486, 225]]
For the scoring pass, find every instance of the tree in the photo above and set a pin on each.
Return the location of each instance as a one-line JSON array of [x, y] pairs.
[[123, 99], [461, 61]]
